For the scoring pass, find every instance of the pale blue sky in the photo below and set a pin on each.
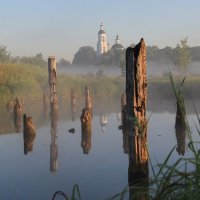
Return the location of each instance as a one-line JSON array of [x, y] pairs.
[[60, 27]]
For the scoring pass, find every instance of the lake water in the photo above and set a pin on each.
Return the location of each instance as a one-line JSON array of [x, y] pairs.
[[58, 163]]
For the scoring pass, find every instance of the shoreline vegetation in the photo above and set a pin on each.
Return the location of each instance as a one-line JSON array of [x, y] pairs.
[[30, 82]]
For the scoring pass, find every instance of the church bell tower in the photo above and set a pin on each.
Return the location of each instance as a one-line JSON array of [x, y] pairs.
[[102, 45]]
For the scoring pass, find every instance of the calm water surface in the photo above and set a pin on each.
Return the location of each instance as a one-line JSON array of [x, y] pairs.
[[99, 174]]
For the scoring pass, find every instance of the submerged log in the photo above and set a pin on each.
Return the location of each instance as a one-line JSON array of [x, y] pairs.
[[29, 134]]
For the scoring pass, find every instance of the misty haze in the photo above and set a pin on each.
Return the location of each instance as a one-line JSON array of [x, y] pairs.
[[99, 100]]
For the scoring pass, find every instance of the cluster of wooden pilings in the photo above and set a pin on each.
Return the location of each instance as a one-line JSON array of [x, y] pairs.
[[16, 108], [134, 124]]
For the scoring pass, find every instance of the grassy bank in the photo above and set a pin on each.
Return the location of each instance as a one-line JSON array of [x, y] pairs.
[[31, 82]]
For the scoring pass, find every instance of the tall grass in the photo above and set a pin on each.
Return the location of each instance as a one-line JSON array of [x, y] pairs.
[[180, 180]]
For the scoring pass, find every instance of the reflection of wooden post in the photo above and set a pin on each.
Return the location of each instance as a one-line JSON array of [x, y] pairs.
[[54, 147], [45, 105], [136, 95], [86, 126], [123, 103], [73, 104], [52, 74], [29, 134], [17, 114], [180, 127], [88, 98]]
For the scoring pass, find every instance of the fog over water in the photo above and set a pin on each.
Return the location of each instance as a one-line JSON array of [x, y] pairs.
[[153, 69]]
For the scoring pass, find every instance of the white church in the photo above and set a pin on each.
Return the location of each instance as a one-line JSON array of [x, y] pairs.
[[102, 44]]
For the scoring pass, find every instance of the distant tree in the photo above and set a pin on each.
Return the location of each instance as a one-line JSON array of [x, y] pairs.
[[4, 54], [195, 53], [64, 62], [86, 56], [112, 57], [34, 60], [122, 63], [183, 55]]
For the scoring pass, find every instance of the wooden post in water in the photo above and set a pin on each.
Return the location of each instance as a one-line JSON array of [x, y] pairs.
[[28, 133], [17, 111], [86, 123], [135, 119], [52, 74]]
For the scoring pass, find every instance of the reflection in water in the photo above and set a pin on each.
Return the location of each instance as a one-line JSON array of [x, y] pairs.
[[29, 134], [86, 135], [180, 127], [45, 105], [86, 130], [54, 146], [17, 114], [73, 105], [103, 122]]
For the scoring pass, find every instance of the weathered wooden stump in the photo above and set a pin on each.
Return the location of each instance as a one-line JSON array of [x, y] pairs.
[[180, 127], [17, 111], [29, 133], [86, 123], [52, 74], [134, 113]]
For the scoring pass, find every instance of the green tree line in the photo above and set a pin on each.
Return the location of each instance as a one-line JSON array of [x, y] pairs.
[[181, 55]]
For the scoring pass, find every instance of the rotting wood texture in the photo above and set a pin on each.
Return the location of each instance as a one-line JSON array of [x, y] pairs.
[[134, 113]]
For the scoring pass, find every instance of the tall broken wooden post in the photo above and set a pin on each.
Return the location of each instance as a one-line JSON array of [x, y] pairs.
[[86, 123], [136, 97], [52, 74]]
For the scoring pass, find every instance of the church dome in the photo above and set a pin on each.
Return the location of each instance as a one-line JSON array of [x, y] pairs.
[[101, 32], [118, 46]]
